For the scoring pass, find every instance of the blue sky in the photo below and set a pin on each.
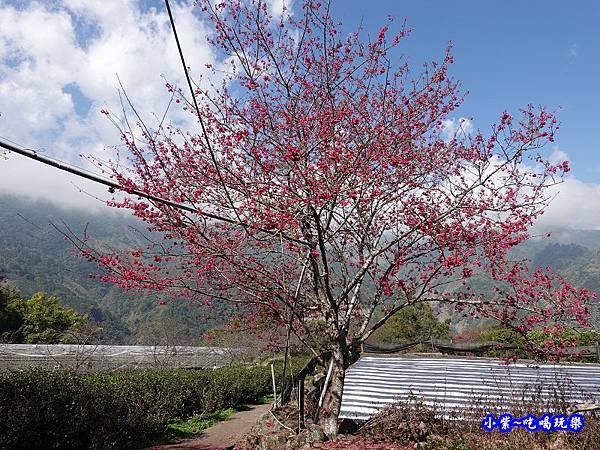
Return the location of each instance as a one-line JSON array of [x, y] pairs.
[[59, 62], [508, 54]]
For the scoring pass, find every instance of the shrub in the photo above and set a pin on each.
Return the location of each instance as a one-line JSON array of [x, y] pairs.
[[42, 409], [411, 424]]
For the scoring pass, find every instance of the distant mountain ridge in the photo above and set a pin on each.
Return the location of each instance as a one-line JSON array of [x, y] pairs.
[[34, 257]]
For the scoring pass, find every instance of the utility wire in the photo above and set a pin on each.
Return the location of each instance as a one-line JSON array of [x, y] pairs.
[[32, 154], [185, 70], [90, 176], [202, 126]]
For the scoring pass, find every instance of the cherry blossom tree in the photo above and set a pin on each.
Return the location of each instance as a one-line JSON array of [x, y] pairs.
[[321, 185]]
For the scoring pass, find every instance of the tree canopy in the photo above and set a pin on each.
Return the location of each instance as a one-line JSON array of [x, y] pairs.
[[321, 185], [39, 320], [411, 324]]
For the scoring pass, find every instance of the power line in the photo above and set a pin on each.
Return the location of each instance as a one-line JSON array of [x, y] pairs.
[[202, 126], [93, 177], [185, 69], [32, 154]]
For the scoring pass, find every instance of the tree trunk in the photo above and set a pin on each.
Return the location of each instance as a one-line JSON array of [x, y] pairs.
[[333, 396]]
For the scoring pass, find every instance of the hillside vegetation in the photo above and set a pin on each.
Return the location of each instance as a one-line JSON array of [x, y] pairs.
[[34, 257]]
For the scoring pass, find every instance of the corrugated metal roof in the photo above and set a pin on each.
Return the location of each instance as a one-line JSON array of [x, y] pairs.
[[374, 382]]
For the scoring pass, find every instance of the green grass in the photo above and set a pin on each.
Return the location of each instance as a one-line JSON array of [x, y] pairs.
[[266, 399], [197, 423]]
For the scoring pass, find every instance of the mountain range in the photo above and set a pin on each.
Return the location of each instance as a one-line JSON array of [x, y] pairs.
[[35, 257]]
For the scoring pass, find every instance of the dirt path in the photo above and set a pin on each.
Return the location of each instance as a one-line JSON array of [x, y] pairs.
[[224, 434]]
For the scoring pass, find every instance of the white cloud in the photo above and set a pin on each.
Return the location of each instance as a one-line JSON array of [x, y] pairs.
[[276, 6], [456, 127], [47, 46], [576, 206], [558, 156], [573, 51], [41, 59], [30, 178]]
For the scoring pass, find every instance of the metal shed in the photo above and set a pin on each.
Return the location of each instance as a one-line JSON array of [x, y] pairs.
[[374, 382], [113, 357]]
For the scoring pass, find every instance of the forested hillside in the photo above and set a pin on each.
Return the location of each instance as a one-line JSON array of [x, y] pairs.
[[35, 257], [574, 254]]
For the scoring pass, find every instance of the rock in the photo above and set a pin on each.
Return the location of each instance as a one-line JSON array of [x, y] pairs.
[[313, 434], [284, 440], [275, 441]]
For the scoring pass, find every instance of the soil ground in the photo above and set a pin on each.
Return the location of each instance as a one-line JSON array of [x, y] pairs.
[[224, 434]]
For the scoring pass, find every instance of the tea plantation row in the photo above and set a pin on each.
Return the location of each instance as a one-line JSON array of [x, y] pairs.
[[114, 410]]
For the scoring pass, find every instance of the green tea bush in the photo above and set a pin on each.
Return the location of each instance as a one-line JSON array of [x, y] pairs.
[[40, 409]]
